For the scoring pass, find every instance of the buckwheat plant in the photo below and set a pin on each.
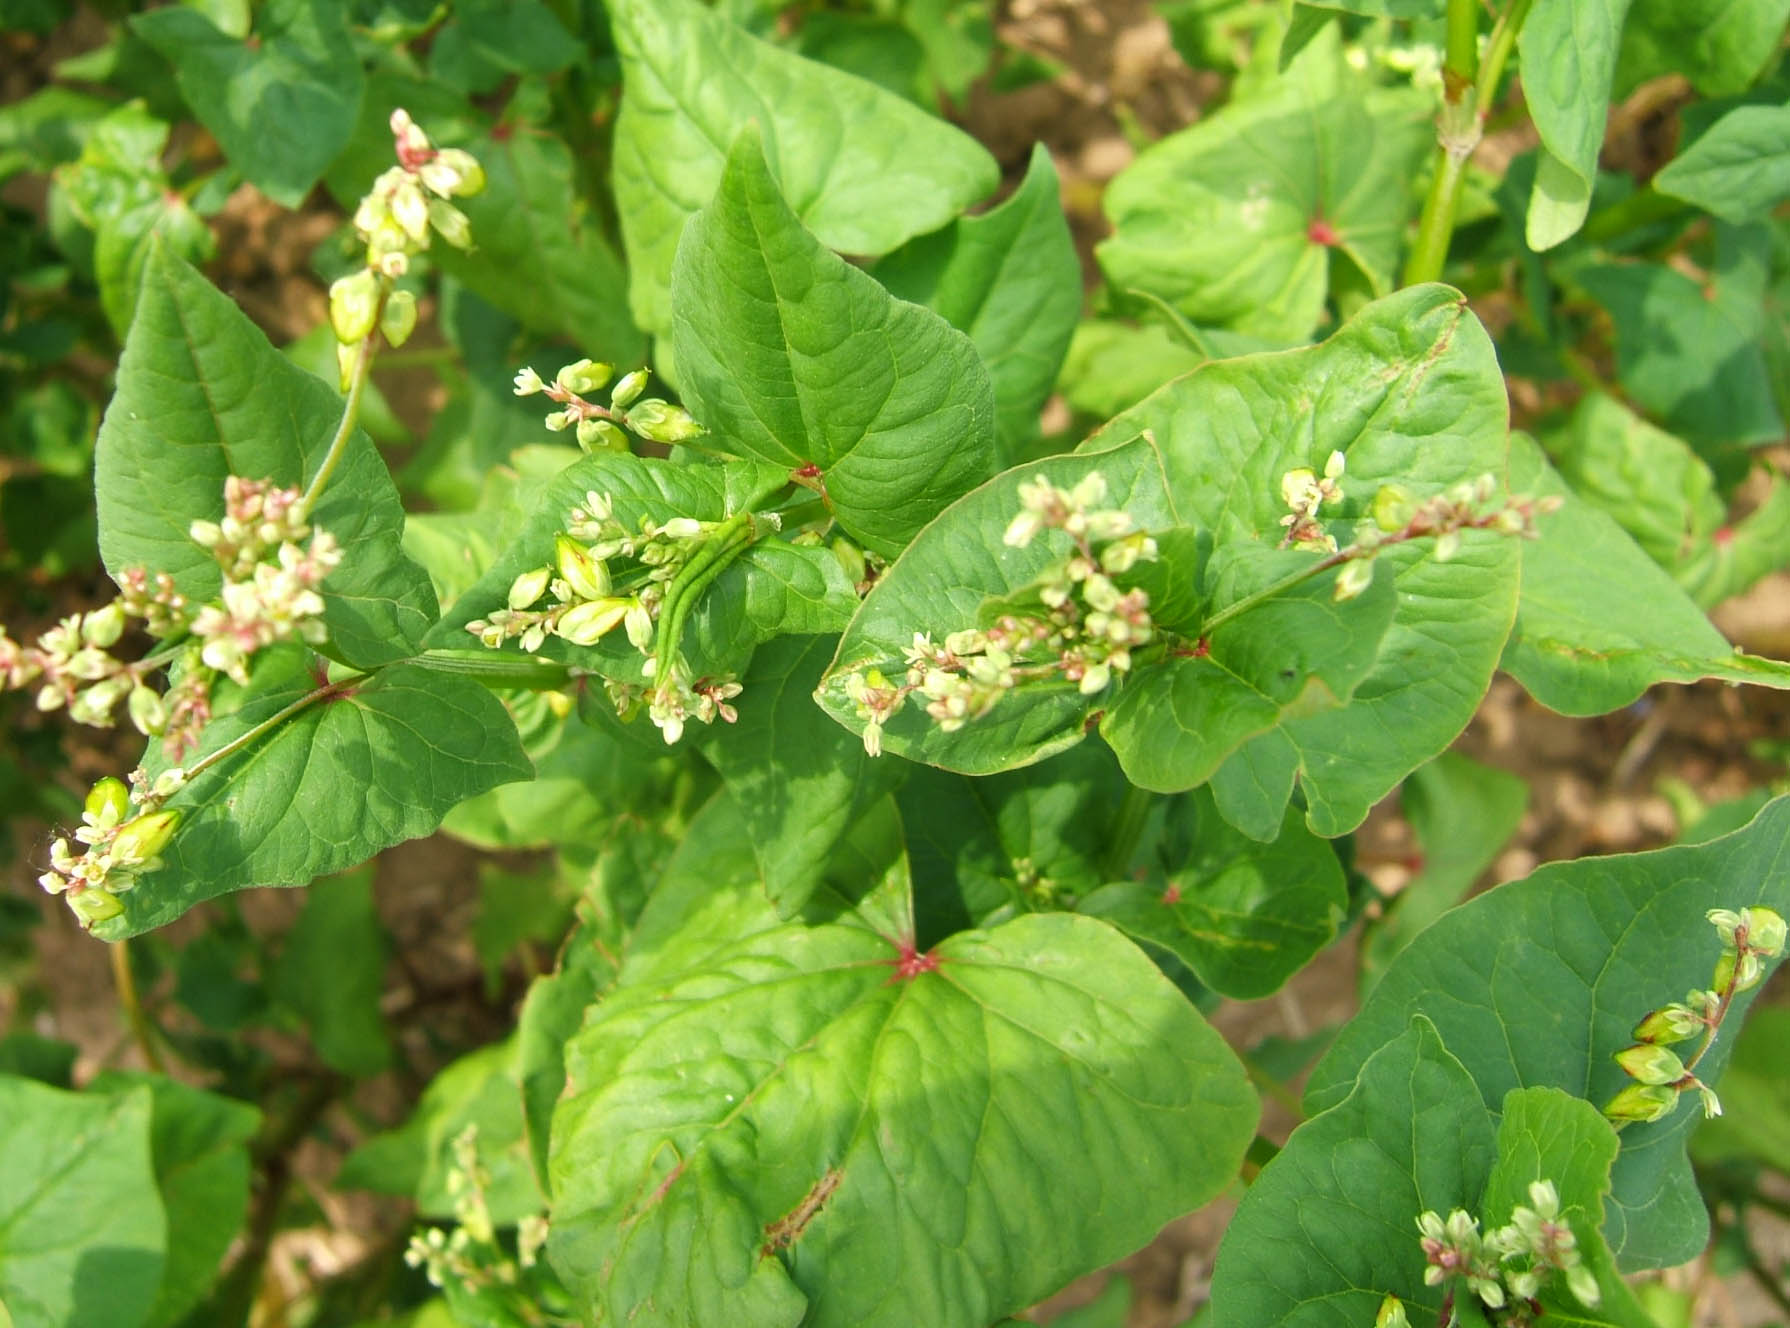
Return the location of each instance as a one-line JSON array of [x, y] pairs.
[[1749, 937]]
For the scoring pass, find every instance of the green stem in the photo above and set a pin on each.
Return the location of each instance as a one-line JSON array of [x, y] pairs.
[[1280, 587], [125, 979], [1469, 85], [500, 669], [1128, 828], [363, 362]]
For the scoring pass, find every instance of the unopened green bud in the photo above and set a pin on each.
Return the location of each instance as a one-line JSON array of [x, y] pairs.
[[103, 627], [1724, 920], [1764, 929], [1641, 1102], [529, 587], [584, 376], [1448, 544], [354, 306], [141, 839], [1392, 1314], [585, 624], [111, 796], [601, 436], [588, 577], [1393, 507], [663, 422], [1356, 576], [94, 905], [398, 319], [1674, 1023], [450, 224], [1750, 970], [1649, 1063], [630, 388]]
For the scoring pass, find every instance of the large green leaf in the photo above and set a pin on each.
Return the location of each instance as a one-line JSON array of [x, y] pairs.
[[806, 780], [82, 1228], [1567, 49], [1739, 169], [202, 396], [1720, 45], [1243, 915], [776, 1134], [1599, 622], [1410, 391], [1692, 353], [199, 1143], [540, 252], [862, 168], [1330, 1226], [791, 355], [282, 100], [1233, 220], [1011, 280], [1540, 981], [407, 743]]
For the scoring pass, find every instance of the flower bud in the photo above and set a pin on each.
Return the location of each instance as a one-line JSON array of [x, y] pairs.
[[528, 382], [450, 223], [410, 210], [1356, 576], [345, 357], [1392, 1314], [1650, 1063], [1765, 929], [95, 905], [148, 712], [1448, 544], [1641, 1102], [529, 587], [1673, 1023], [663, 423], [1724, 920], [169, 782], [639, 626], [1750, 970], [584, 376], [108, 797], [465, 166], [141, 839], [588, 578], [103, 627], [398, 319], [601, 436], [626, 391], [584, 624], [1393, 508], [354, 305]]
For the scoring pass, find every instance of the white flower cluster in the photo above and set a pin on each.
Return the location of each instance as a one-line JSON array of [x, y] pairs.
[[1084, 630], [581, 599], [599, 428], [273, 564], [1305, 492], [1509, 1266]]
